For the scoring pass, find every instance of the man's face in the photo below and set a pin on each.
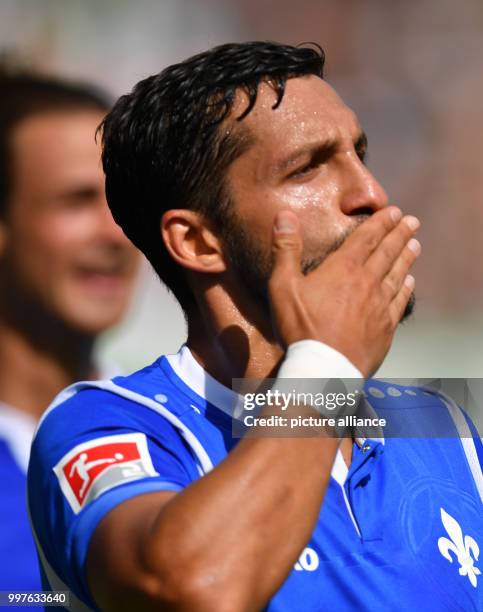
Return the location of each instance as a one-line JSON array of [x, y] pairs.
[[62, 249], [307, 156]]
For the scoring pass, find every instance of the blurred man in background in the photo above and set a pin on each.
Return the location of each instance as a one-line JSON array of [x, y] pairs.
[[66, 275]]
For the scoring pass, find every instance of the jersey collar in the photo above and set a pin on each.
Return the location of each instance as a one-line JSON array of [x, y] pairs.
[[203, 384], [189, 371]]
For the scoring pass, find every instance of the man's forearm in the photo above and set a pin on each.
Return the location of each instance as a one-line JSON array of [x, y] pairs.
[[230, 539], [264, 497], [233, 536]]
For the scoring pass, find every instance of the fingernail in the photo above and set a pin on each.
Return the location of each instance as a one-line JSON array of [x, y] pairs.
[[409, 281], [396, 214], [412, 222], [284, 224], [414, 245]]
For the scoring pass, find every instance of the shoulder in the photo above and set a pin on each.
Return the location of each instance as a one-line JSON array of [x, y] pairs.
[[434, 418], [98, 402], [414, 411], [91, 410], [399, 394], [440, 402]]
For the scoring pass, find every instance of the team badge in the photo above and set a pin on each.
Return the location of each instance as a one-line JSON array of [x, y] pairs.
[[464, 548], [93, 467]]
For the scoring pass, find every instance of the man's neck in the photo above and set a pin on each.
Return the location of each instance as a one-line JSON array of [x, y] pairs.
[[229, 344], [31, 373]]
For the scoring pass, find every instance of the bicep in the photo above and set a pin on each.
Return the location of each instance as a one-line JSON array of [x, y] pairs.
[[116, 570]]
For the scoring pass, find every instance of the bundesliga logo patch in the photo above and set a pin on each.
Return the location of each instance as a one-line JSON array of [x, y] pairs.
[[96, 466]]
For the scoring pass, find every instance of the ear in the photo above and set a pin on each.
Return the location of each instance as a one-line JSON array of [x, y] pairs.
[[191, 241]]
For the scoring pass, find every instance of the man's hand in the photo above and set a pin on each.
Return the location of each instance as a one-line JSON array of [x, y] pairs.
[[354, 300]]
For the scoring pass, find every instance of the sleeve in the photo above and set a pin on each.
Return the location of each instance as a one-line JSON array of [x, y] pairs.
[[91, 454]]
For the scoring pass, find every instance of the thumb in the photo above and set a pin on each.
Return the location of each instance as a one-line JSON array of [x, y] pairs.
[[286, 243]]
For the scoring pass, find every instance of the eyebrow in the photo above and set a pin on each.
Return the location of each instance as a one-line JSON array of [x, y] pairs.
[[319, 150]]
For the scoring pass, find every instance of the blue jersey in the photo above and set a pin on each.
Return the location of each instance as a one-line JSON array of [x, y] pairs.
[[19, 567], [398, 530]]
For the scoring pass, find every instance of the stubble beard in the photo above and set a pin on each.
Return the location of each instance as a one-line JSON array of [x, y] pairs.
[[253, 264]]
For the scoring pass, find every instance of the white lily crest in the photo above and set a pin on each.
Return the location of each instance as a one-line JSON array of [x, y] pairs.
[[466, 549]]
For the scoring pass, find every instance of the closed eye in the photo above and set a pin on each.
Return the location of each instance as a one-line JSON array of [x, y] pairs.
[[320, 156], [303, 170]]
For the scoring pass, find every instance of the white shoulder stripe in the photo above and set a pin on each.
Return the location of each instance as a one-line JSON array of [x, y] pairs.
[[205, 462], [466, 440], [107, 385]]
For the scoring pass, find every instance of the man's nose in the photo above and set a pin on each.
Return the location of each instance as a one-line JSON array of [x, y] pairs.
[[362, 193]]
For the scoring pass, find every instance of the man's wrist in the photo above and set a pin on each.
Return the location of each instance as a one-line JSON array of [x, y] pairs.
[[314, 359]]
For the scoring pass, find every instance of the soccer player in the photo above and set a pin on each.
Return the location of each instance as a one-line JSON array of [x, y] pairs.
[[240, 174], [66, 274]]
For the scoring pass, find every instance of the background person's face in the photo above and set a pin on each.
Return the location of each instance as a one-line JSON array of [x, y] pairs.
[[63, 250], [307, 157]]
